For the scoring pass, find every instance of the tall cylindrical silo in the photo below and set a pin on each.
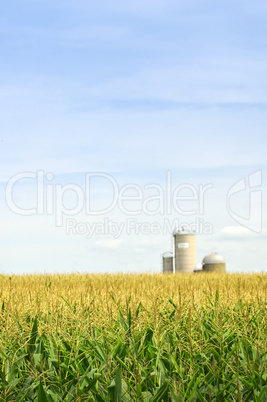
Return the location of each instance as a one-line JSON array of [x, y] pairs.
[[185, 252], [214, 262], [167, 259]]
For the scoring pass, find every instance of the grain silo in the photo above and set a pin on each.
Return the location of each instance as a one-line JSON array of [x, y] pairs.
[[185, 252], [214, 262], [167, 260], [198, 268]]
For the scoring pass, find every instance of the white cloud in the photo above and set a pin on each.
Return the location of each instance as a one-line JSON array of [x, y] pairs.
[[237, 233]]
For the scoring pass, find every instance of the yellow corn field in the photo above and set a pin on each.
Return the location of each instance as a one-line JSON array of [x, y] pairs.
[[122, 337]]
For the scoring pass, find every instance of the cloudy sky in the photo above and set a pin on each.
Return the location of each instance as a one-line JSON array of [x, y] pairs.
[[155, 101]]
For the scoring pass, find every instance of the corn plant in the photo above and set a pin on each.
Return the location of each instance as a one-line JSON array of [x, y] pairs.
[[133, 338]]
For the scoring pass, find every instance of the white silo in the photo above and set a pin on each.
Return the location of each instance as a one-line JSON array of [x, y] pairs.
[[214, 262], [198, 268], [185, 252], [167, 260]]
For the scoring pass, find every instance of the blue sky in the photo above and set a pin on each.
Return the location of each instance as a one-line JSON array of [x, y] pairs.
[[132, 90]]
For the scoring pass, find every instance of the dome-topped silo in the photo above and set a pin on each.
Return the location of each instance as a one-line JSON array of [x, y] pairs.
[[198, 267], [214, 262], [167, 259]]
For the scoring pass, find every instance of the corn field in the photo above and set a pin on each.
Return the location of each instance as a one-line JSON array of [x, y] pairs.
[[199, 337]]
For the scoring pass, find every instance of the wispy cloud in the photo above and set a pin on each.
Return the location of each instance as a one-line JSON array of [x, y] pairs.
[[237, 233]]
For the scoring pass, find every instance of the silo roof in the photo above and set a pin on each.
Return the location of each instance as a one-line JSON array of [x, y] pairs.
[[180, 233], [213, 258], [168, 254]]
